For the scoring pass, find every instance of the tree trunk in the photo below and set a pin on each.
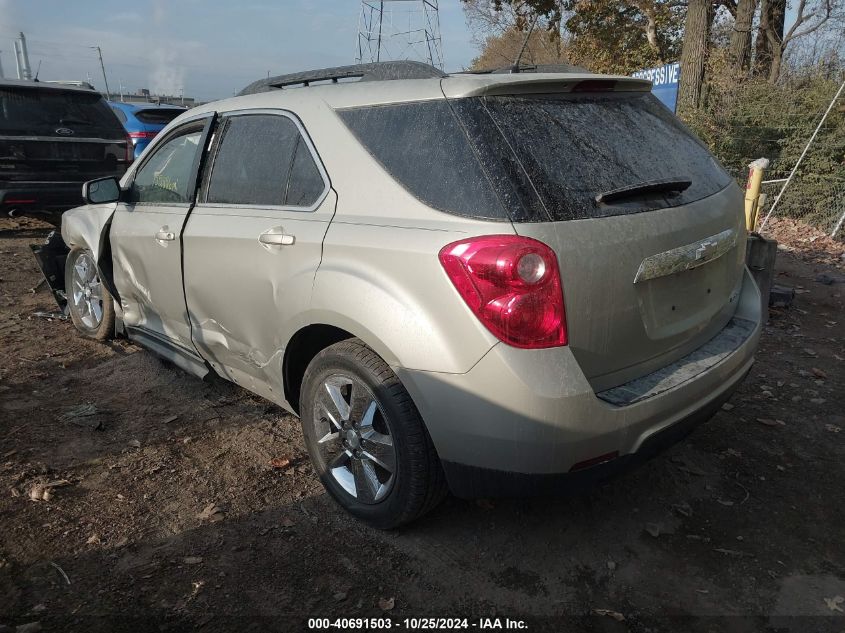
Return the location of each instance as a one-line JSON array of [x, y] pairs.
[[769, 36], [651, 35], [777, 58], [777, 24], [740, 45], [694, 53]]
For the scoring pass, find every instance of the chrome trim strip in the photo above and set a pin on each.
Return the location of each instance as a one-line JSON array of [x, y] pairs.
[[686, 257]]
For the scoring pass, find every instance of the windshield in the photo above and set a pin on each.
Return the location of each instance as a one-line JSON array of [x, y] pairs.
[[40, 112]]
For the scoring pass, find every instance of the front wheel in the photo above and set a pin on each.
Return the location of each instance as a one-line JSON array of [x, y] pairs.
[[366, 439], [90, 304]]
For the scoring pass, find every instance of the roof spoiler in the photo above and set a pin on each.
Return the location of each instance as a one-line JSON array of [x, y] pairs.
[[457, 86]]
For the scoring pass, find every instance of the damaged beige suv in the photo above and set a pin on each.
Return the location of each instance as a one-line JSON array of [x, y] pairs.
[[494, 284]]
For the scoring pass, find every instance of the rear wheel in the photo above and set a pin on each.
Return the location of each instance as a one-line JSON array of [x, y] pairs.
[[366, 439], [90, 305]]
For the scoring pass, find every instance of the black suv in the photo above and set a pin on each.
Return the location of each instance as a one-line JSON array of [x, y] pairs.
[[52, 139]]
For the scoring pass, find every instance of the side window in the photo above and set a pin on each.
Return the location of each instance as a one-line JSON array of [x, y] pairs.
[[306, 183], [253, 162], [263, 160], [424, 148], [166, 176]]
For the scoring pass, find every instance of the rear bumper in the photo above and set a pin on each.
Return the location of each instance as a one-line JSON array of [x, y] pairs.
[[521, 417], [39, 196], [471, 482]]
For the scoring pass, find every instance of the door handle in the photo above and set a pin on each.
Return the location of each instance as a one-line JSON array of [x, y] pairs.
[[276, 239], [165, 236]]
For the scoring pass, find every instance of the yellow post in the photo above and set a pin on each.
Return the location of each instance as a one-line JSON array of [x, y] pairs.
[[752, 191]]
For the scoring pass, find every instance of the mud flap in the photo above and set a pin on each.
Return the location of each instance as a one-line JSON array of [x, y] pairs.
[[51, 256]]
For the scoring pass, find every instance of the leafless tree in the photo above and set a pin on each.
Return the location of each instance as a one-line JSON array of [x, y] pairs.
[[773, 38]]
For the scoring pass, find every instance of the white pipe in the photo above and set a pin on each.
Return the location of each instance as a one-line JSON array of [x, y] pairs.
[[838, 225], [803, 154], [18, 59], [27, 70]]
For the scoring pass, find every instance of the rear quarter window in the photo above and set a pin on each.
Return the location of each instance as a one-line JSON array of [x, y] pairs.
[[424, 148]]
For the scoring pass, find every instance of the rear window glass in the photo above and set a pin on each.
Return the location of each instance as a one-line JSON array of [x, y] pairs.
[[574, 148], [40, 112], [424, 148], [253, 162], [157, 116], [539, 157]]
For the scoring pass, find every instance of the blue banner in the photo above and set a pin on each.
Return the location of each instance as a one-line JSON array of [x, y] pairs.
[[664, 80]]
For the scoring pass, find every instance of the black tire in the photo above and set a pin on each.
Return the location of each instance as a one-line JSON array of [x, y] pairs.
[[100, 329], [418, 483]]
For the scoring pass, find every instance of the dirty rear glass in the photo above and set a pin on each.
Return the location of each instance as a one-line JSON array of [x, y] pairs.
[[542, 158], [40, 112], [575, 148]]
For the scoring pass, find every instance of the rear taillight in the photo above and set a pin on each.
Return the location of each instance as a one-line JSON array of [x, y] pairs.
[[512, 284], [143, 134], [130, 149]]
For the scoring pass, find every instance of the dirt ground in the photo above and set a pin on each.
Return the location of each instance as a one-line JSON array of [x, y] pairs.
[[739, 528]]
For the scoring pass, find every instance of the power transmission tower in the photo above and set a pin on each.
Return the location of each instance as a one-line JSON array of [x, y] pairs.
[[393, 30]]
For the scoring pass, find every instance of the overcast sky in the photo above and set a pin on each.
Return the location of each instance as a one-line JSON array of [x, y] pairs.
[[211, 48]]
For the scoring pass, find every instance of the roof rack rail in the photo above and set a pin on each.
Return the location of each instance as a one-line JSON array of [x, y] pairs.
[[377, 71]]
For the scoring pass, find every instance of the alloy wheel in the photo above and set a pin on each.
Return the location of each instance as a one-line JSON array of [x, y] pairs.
[[87, 291], [354, 439]]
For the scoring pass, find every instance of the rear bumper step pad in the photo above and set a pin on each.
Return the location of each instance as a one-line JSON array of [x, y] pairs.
[[734, 334]]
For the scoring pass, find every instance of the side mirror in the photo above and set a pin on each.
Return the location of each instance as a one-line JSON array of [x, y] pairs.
[[101, 191]]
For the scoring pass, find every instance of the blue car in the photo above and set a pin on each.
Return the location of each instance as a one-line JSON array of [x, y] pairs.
[[143, 121]]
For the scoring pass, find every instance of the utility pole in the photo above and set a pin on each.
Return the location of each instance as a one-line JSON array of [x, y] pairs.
[[24, 70], [1, 67], [105, 81], [18, 62]]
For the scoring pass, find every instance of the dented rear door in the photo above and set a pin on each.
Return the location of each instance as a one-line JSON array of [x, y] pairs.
[[253, 244]]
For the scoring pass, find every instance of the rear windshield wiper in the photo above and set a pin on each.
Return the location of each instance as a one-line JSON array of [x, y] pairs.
[[650, 186]]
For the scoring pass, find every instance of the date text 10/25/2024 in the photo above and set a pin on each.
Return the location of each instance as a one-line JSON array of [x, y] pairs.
[[416, 624]]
